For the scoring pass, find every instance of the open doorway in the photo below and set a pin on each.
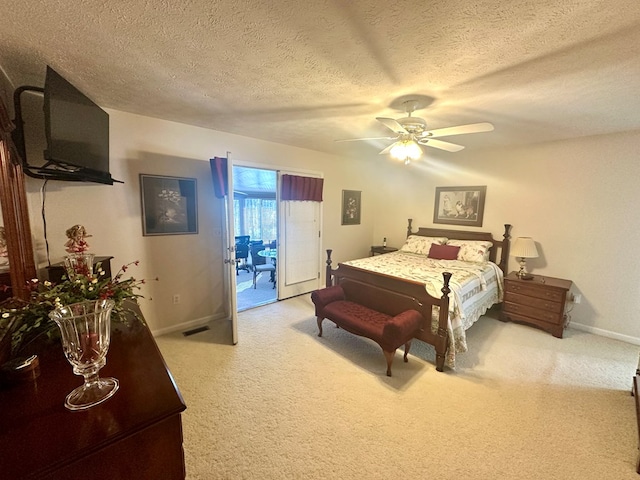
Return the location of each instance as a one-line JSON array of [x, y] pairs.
[[256, 228]]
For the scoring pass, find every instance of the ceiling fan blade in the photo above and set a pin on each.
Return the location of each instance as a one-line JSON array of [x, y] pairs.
[[387, 150], [460, 129], [432, 142], [392, 124], [370, 138]]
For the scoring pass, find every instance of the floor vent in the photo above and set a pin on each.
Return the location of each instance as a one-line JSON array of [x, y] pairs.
[[195, 330]]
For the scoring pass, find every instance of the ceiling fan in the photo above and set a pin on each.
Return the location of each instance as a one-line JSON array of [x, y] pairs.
[[412, 133]]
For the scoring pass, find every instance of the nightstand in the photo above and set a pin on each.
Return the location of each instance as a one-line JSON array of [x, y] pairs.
[[379, 250], [540, 301]]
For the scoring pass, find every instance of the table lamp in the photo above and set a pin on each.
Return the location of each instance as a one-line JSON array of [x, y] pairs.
[[524, 247]]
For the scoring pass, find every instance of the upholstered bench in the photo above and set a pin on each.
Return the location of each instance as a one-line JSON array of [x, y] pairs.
[[390, 332]]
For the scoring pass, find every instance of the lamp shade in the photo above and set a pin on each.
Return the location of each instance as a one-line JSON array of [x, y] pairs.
[[524, 247], [406, 150]]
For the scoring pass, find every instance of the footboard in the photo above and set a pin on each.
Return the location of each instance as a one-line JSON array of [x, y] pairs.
[[400, 295]]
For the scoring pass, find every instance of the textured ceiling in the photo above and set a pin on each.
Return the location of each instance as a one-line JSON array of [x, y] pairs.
[[309, 73]]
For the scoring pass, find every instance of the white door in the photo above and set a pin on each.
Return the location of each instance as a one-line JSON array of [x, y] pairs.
[[230, 253], [299, 258]]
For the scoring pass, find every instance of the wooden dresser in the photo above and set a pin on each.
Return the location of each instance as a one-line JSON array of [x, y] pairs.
[[5, 280], [540, 301], [136, 434], [636, 393]]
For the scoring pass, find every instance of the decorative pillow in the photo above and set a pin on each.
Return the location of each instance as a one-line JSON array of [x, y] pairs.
[[421, 245], [443, 252], [472, 250]]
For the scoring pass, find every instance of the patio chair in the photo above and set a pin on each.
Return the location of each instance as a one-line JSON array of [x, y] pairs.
[[261, 264], [242, 253]]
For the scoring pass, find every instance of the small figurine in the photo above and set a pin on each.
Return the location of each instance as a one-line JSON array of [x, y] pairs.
[[76, 242]]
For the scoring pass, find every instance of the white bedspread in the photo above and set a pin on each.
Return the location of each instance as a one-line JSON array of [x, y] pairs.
[[475, 287]]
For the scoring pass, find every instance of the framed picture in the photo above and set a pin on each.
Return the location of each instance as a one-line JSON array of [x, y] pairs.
[[460, 205], [350, 207], [169, 205]]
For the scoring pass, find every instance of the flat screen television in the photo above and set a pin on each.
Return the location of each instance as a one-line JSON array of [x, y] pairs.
[[77, 134]]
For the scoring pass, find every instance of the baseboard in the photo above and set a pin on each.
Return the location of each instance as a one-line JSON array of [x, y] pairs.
[[181, 327], [212, 318], [606, 333]]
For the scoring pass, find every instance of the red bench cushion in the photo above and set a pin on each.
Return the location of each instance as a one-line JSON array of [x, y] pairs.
[[389, 332]]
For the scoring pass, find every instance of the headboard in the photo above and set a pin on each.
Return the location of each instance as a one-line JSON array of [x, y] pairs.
[[498, 245]]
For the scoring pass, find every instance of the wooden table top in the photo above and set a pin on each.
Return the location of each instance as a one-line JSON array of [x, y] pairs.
[[38, 434]]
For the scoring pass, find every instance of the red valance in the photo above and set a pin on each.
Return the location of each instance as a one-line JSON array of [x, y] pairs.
[[219, 168], [301, 188]]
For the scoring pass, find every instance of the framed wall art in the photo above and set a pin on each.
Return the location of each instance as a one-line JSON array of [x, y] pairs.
[[351, 207], [169, 205], [460, 205]]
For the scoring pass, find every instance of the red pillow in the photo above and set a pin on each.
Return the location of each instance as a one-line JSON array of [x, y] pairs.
[[443, 252]]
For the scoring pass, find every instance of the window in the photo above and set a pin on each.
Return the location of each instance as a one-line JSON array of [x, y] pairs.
[[256, 217]]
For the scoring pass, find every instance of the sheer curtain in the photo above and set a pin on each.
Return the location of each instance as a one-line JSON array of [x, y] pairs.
[[256, 217]]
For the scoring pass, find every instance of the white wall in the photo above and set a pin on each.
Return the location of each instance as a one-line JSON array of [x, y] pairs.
[[189, 265], [575, 198]]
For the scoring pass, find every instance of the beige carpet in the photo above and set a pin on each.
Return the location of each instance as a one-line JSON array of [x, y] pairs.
[[286, 404]]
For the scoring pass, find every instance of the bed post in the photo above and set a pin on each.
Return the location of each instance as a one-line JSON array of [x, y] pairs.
[[504, 253], [443, 322], [409, 226], [328, 281]]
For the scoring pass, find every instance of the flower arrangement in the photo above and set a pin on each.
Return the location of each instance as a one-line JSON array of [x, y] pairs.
[[170, 196], [29, 320]]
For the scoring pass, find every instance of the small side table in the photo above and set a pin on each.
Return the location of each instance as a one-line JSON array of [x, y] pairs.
[[540, 301], [379, 250]]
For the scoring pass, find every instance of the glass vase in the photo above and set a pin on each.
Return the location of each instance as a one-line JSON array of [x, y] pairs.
[[86, 332], [79, 264]]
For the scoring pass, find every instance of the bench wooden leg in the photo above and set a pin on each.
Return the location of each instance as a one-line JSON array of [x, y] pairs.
[[389, 357], [320, 326], [407, 347]]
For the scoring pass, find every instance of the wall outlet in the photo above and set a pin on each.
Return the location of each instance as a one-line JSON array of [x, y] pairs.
[[577, 298], [176, 299]]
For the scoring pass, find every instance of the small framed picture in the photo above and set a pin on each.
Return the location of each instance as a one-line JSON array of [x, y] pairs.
[[169, 205], [460, 205], [351, 207]]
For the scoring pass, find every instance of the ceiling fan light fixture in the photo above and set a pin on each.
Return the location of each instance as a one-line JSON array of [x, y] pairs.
[[406, 150], [411, 133]]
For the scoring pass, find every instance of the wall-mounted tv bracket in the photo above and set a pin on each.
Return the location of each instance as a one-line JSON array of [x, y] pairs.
[[18, 133], [18, 139]]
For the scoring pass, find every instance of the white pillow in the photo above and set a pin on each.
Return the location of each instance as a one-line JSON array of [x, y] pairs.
[[472, 250], [421, 245]]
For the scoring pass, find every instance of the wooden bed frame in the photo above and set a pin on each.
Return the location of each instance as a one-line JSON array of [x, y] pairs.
[[402, 293]]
